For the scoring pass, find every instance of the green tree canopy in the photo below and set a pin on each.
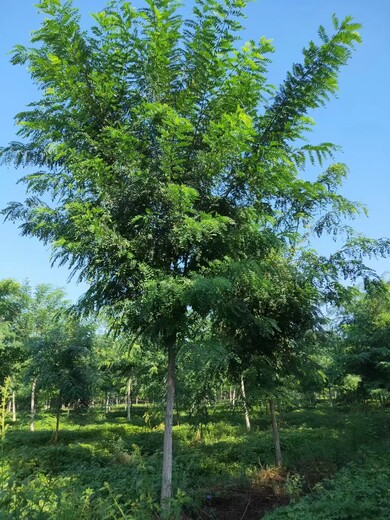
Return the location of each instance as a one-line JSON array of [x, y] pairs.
[[13, 304], [366, 335], [165, 149]]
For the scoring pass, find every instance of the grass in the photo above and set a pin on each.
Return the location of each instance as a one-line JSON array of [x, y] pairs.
[[105, 468]]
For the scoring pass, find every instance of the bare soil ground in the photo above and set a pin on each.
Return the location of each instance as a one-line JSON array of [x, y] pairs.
[[245, 506]]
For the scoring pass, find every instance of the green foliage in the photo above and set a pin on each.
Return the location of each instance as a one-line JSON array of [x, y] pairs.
[[358, 492], [58, 347], [13, 303], [103, 468], [365, 336], [42, 497], [4, 394], [165, 151], [63, 362]]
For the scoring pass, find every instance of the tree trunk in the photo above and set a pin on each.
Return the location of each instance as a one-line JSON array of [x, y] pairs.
[[275, 433], [57, 419], [166, 485], [246, 410], [13, 407], [107, 403], [128, 400], [32, 405]]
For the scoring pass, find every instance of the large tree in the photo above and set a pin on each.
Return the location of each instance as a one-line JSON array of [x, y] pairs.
[[166, 154]]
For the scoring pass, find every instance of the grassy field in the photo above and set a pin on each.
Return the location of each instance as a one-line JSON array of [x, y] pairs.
[[106, 468]]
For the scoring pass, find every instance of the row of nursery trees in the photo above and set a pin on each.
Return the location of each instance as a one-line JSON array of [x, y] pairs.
[[52, 359], [167, 172], [48, 351]]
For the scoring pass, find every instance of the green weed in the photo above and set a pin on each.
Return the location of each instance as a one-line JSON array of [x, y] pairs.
[[355, 493], [105, 468]]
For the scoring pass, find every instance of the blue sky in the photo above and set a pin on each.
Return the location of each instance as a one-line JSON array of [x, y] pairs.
[[358, 120]]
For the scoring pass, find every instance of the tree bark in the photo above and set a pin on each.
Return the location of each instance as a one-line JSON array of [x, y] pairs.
[[13, 407], [166, 486], [128, 400], [32, 405], [246, 410], [275, 433]]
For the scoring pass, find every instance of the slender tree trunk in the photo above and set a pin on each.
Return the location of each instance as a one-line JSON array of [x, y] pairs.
[[107, 403], [166, 486], [275, 433], [13, 406], [246, 410], [57, 419], [32, 405], [128, 399]]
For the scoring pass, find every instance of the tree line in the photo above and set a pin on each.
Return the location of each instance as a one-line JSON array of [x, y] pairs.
[[53, 360]]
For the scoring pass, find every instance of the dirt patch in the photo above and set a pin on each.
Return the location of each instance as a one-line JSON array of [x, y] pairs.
[[267, 491], [250, 505]]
